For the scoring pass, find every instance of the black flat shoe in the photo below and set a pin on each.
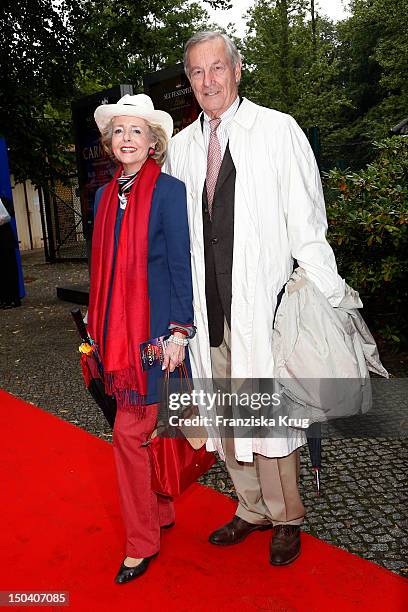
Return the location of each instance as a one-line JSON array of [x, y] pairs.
[[126, 574]]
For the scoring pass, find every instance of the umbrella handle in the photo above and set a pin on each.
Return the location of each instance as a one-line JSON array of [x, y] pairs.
[[79, 322], [316, 472]]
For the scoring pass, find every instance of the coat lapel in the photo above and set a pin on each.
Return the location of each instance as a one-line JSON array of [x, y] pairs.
[[239, 147], [198, 134]]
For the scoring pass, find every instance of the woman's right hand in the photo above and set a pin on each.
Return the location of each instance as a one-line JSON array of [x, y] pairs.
[[174, 355]]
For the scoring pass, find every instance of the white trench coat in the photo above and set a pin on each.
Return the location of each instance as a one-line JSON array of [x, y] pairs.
[[279, 215]]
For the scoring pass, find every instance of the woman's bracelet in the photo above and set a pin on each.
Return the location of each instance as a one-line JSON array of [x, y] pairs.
[[178, 341]]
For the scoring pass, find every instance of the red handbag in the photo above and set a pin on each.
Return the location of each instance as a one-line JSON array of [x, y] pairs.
[[175, 464]]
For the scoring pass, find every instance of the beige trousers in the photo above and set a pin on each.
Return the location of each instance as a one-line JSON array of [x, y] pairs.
[[267, 488]]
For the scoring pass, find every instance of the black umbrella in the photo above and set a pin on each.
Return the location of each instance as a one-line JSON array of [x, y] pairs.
[[314, 442], [96, 387]]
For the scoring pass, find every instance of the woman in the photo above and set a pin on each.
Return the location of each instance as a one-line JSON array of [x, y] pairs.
[[140, 289]]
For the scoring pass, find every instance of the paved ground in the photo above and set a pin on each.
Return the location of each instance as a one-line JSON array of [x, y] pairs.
[[363, 507]]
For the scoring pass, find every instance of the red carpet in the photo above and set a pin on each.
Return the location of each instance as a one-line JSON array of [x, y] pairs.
[[61, 531]]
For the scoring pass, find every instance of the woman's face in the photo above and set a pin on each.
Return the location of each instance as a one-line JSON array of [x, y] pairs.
[[131, 140]]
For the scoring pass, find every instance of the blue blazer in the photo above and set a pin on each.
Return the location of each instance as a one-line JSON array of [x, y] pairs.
[[168, 266]]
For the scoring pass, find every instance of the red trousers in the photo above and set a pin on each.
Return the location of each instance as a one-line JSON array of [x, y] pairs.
[[143, 511]]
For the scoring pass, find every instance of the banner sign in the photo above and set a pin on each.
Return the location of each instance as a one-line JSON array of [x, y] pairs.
[[171, 91]]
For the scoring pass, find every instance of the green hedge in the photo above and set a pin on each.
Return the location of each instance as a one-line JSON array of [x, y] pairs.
[[368, 230]]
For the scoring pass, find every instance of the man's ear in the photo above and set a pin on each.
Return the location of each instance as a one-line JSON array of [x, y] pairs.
[[237, 72]]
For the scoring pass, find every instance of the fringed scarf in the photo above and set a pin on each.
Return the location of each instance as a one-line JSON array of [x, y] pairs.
[[128, 322]]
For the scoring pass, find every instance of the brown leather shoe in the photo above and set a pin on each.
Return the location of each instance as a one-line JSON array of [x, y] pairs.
[[285, 544], [235, 532]]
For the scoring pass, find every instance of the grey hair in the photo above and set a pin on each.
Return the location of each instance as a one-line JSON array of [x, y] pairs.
[[206, 35]]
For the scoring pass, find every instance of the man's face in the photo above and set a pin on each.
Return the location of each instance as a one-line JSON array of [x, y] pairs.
[[212, 77]]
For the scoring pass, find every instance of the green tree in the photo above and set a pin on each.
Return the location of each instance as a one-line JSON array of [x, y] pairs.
[[373, 54], [290, 56], [122, 39], [37, 65]]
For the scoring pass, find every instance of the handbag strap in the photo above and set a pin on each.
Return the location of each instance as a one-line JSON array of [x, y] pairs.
[[185, 386], [184, 379]]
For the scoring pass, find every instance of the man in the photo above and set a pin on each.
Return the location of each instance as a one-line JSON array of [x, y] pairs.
[[255, 204]]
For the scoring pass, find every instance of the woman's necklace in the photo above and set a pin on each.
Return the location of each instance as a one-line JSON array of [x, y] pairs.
[[122, 200], [125, 184]]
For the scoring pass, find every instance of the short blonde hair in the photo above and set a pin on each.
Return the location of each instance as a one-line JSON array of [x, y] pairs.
[[157, 133]]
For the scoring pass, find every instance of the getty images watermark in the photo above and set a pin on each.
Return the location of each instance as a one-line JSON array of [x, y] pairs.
[[260, 407], [224, 401]]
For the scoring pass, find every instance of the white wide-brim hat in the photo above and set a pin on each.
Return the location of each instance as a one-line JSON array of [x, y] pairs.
[[139, 105]]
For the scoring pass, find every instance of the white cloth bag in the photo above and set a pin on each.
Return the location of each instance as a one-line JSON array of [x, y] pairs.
[[322, 354]]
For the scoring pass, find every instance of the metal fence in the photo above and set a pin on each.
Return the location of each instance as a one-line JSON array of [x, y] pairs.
[[63, 229]]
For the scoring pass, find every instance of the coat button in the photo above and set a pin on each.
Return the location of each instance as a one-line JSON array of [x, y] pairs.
[[214, 240]]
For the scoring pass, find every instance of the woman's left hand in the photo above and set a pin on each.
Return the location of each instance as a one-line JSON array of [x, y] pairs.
[[174, 355]]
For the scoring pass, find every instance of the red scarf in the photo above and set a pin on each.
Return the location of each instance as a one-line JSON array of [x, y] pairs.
[[128, 322]]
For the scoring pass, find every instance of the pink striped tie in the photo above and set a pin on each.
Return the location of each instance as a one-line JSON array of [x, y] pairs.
[[214, 160]]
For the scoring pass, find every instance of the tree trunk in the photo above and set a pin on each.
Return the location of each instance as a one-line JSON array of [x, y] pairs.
[[282, 6], [314, 19]]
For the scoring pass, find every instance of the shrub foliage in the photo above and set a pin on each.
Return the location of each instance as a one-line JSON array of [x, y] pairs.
[[368, 229]]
